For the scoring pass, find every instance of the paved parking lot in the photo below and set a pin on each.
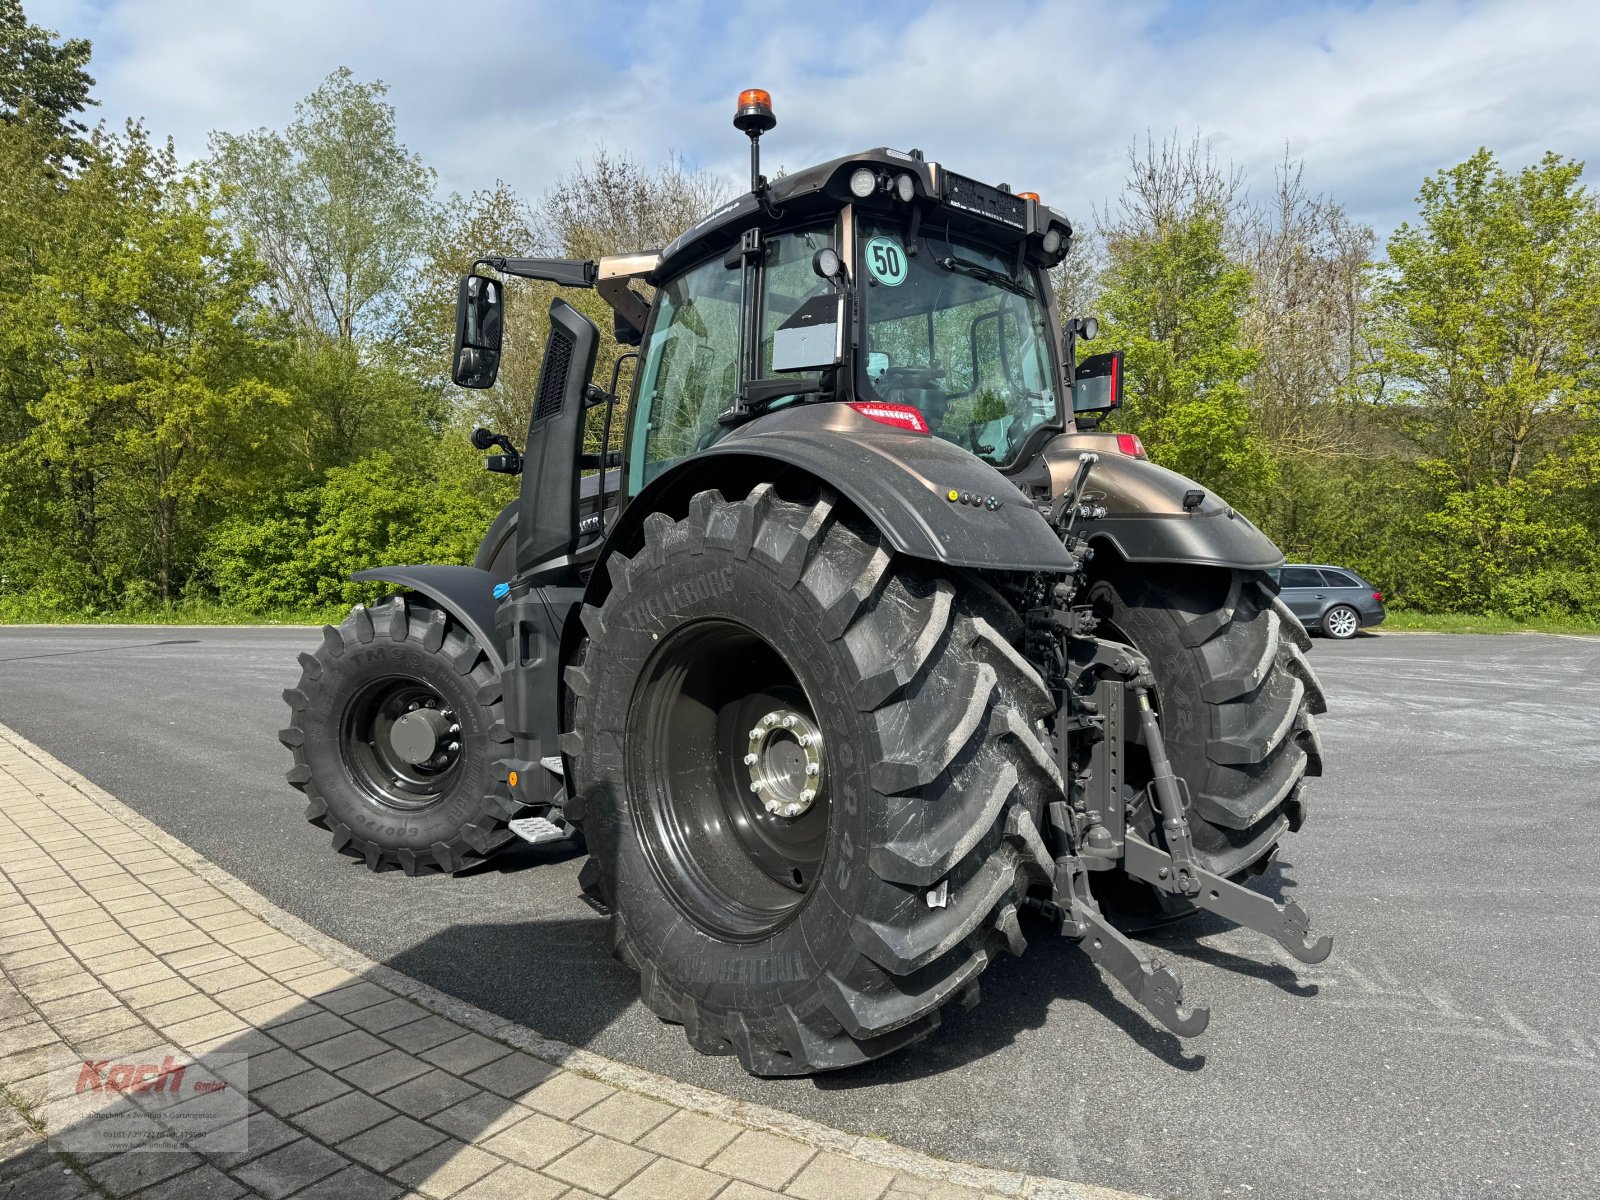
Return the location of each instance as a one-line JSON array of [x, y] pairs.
[[1450, 1048]]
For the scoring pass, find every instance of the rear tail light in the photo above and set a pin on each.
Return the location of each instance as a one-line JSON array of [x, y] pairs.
[[1129, 444], [901, 416], [1378, 596]]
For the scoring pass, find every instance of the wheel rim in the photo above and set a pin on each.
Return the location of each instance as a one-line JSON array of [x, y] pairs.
[[728, 779], [402, 743], [1341, 622]]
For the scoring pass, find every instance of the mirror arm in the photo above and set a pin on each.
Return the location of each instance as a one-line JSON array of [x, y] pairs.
[[568, 272]]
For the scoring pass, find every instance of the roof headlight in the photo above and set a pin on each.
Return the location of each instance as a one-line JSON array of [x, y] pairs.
[[862, 182], [1052, 240], [905, 188]]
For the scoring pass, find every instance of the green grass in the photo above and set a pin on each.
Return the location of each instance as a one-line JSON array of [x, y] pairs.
[[1406, 619]]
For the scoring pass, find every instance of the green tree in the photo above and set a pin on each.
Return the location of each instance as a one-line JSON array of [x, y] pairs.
[[1486, 328], [335, 206], [153, 400], [37, 72], [1173, 298]]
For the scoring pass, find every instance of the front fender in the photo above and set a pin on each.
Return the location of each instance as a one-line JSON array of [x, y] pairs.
[[900, 481], [466, 593]]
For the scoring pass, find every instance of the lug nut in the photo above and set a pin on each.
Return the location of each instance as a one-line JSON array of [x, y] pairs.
[[791, 810], [812, 768], [453, 747], [757, 784], [807, 796], [788, 722], [805, 741], [749, 760], [770, 720], [455, 729]]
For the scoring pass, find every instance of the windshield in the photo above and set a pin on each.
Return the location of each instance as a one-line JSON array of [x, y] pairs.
[[957, 333]]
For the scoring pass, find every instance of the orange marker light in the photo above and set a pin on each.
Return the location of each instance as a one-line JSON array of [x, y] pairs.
[[1034, 196], [753, 96], [512, 779]]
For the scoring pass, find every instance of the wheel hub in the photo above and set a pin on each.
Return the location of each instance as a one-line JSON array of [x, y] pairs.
[[784, 761], [419, 735]]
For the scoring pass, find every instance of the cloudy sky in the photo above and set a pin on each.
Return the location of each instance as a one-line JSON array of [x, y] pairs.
[[1046, 96]]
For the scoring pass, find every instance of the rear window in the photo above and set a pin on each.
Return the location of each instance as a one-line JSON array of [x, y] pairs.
[[1342, 579], [1300, 577]]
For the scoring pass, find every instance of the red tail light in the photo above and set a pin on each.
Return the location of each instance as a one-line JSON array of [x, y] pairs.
[[1129, 444], [901, 416], [1378, 596]]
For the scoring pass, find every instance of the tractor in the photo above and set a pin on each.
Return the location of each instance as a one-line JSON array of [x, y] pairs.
[[867, 648]]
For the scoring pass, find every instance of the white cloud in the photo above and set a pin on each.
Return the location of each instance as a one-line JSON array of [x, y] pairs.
[[1044, 96]]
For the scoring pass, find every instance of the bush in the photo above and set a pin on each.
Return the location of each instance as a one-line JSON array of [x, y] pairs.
[[1554, 592]]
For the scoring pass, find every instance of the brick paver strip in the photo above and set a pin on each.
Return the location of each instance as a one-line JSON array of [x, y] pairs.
[[115, 939]]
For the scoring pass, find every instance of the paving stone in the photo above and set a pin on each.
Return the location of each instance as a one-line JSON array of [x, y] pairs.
[[627, 1116], [515, 1075], [250, 995], [831, 1176], [80, 1005], [197, 958], [739, 1190], [345, 1050], [565, 1094], [762, 1159], [388, 1015], [299, 1092], [666, 1179], [308, 973], [199, 1030], [446, 1169], [479, 1117], [123, 981], [424, 1034], [48, 1182], [534, 1141], [171, 943], [512, 1182], [263, 1133], [308, 1030], [601, 1165], [390, 1144], [118, 959], [95, 1024], [466, 1053], [428, 1094], [223, 978], [204, 1182], [344, 1117], [62, 986], [124, 1041], [124, 1174], [356, 996], [170, 1012], [275, 1065], [290, 1168], [690, 1137], [386, 1070], [352, 1183]]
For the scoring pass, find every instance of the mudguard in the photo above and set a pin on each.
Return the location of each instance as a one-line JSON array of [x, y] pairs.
[[466, 593], [1146, 520], [901, 481]]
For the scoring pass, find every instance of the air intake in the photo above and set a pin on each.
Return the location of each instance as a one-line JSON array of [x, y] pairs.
[[553, 377]]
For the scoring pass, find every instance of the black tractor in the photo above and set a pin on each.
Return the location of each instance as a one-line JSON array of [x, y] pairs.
[[863, 645]]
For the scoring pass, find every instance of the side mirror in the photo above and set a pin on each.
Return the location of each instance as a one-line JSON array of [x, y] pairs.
[[475, 359], [1097, 384]]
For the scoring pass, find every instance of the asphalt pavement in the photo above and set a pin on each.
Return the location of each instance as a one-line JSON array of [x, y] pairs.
[[1449, 1048]]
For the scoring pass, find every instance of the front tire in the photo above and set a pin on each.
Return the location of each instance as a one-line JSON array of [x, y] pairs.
[[827, 929], [1236, 698], [396, 727]]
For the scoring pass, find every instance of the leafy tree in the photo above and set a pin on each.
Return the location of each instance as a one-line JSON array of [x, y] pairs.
[[335, 206], [37, 72], [1486, 326], [1174, 300]]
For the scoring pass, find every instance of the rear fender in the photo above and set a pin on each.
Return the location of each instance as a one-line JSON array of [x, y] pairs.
[[901, 482], [1146, 521]]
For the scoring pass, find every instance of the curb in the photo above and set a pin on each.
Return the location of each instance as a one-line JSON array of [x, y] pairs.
[[658, 1087]]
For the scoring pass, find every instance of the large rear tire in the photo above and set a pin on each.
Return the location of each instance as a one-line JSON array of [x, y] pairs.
[[829, 927], [396, 726], [1236, 696]]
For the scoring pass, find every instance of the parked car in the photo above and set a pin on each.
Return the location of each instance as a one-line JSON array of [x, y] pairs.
[[1334, 601]]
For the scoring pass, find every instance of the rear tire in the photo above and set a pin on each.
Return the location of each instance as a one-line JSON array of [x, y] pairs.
[[399, 656], [1236, 698], [910, 863], [1341, 623]]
